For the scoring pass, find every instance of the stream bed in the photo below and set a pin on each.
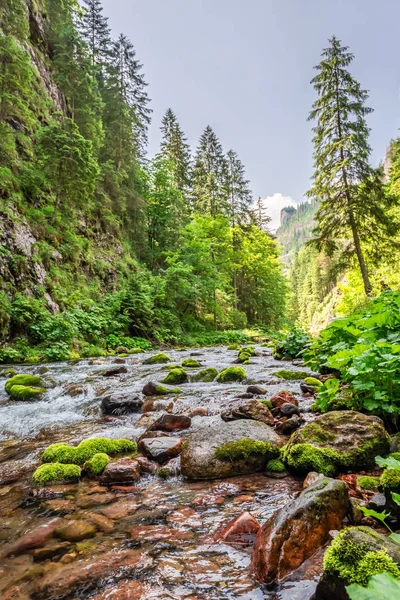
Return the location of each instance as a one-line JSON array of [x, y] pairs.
[[152, 540]]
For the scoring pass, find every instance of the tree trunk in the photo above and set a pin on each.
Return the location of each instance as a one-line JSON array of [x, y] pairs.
[[360, 256]]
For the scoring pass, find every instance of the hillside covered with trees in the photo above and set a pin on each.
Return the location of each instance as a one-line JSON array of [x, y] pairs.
[[99, 241]]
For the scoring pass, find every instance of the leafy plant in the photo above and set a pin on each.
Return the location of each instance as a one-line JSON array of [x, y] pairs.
[[292, 345], [380, 587], [327, 393]]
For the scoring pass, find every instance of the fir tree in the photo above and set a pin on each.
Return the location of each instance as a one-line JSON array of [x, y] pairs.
[[342, 170], [237, 189], [174, 148], [209, 176], [95, 30]]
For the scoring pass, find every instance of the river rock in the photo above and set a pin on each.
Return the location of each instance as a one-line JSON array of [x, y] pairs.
[[157, 405], [33, 539], [248, 409], [256, 390], [171, 423], [287, 426], [50, 551], [242, 530], [124, 470], [338, 441], [198, 460], [126, 590], [283, 397], [65, 580], [113, 371], [352, 545], [288, 409], [296, 531], [146, 465], [160, 449], [75, 531], [120, 404]]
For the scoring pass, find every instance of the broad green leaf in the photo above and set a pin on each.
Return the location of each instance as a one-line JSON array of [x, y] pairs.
[[396, 498], [389, 462], [395, 537], [380, 587]]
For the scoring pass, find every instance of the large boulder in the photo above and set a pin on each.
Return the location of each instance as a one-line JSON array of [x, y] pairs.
[[247, 409], [355, 555], [337, 442], [120, 404], [199, 460], [296, 531]]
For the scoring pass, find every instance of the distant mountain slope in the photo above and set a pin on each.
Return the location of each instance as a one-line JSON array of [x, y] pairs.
[[296, 228]]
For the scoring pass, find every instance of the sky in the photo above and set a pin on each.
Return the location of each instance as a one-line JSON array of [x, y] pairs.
[[244, 67]]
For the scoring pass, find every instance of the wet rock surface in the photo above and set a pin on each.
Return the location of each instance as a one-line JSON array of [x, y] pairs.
[[150, 537]]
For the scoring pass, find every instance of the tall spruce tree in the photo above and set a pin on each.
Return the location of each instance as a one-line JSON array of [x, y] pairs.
[[176, 150], [237, 189], [209, 176], [95, 30], [342, 170]]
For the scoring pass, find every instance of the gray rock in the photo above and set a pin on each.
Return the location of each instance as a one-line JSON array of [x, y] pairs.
[[198, 460], [247, 409], [289, 409], [120, 404], [160, 449]]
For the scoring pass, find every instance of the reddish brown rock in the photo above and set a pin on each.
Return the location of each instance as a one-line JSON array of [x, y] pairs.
[[171, 423], [157, 405], [243, 499], [241, 530], [126, 590], [282, 398], [146, 465], [161, 449], [60, 505], [34, 539], [112, 371], [160, 533], [51, 550], [295, 532], [198, 412], [185, 516], [75, 531], [120, 510], [89, 500], [63, 580], [101, 522], [124, 470]]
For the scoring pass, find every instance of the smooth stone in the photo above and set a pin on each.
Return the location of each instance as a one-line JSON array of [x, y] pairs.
[[75, 531], [256, 390], [248, 409], [242, 530], [124, 470], [171, 423], [160, 449], [283, 397], [120, 404]]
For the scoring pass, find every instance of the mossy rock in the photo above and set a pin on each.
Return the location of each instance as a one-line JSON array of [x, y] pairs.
[[22, 380], [25, 392], [157, 359], [291, 375], [175, 376], [337, 442], [8, 372], [368, 483], [234, 347], [205, 375], [232, 374], [390, 479], [190, 363], [62, 453], [56, 472], [170, 366], [243, 356], [242, 449], [313, 381], [267, 403], [354, 556], [135, 351], [275, 465], [97, 464]]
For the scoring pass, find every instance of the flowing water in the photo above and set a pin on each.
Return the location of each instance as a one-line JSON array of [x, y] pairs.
[[166, 525]]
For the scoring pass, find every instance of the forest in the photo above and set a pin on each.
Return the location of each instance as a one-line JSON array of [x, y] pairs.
[[192, 405]]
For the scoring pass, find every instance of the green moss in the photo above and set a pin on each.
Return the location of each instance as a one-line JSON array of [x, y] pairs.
[[7, 372], [25, 392], [234, 347], [163, 391], [304, 458], [243, 356], [395, 455], [170, 366], [136, 351], [206, 375], [291, 375], [267, 403], [97, 464], [232, 374], [163, 472], [22, 379], [276, 466], [157, 359], [62, 453], [190, 363], [316, 433], [390, 479], [175, 376], [356, 563], [368, 483], [250, 350], [242, 449], [55, 472], [313, 381]]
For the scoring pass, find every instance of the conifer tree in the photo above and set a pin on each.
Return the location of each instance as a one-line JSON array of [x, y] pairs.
[[237, 189], [176, 150], [342, 171], [209, 176], [95, 30]]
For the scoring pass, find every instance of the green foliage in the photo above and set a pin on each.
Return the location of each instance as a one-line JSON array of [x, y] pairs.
[[380, 587], [175, 376], [364, 348], [313, 381], [242, 449], [357, 563], [380, 516], [232, 374], [86, 450], [327, 394], [97, 464], [292, 345], [56, 473]]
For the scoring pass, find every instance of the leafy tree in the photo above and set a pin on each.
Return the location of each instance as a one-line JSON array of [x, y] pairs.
[[352, 195], [67, 161], [174, 148], [96, 32], [209, 176]]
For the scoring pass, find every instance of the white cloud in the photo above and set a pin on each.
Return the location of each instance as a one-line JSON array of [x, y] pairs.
[[273, 206]]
